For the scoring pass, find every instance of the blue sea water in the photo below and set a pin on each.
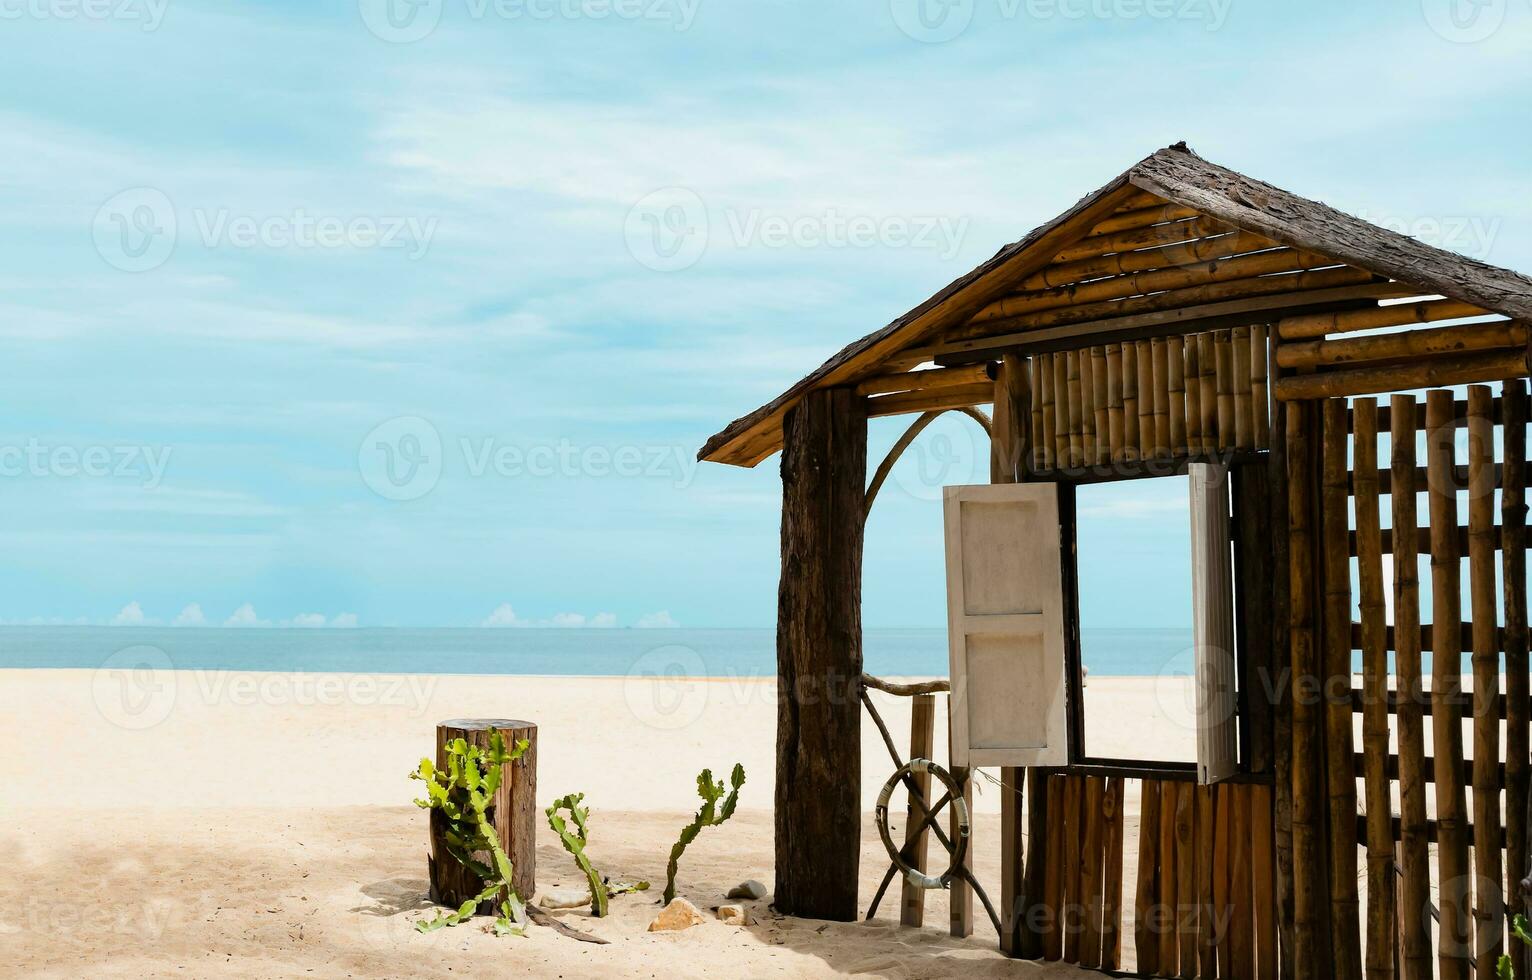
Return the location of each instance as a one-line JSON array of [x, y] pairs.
[[581, 652]]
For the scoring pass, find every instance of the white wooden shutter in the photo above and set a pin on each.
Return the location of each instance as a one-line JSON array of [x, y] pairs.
[[1213, 623], [1005, 625]]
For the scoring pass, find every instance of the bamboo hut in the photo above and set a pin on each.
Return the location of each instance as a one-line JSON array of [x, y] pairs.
[[1188, 320]]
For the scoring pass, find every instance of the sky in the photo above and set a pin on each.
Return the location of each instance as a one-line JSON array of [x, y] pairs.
[[415, 312]]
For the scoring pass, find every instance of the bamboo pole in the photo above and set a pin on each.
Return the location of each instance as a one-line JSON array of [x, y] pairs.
[[1143, 218], [1346, 947], [1061, 410], [1310, 893], [1513, 538], [1114, 403], [1035, 448], [1053, 882], [1489, 905], [883, 384], [1160, 280], [1130, 422], [1243, 938], [1047, 443], [1170, 949], [1468, 338], [910, 402], [1319, 324], [1382, 927], [1193, 384], [1186, 877], [1207, 397], [1146, 940], [1111, 913], [1134, 239], [1455, 953], [1145, 399], [1071, 915], [1076, 414], [912, 899], [1207, 915], [1224, 911], [1415, 893], [1263, 884], [1296, 284], [1244, 404], [1259, 393], [1087, 407], [1223, 353], [1146, 260], [1092, 874], [1161, 372], [1102, 402], [1428, 372], [1175, 380]]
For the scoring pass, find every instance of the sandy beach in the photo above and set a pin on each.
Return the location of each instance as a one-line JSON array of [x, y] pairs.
[[233, 824]]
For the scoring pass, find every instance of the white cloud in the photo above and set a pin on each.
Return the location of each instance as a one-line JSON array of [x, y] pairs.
[[344, 621], [131, 615], [503, 615], [604, 620], [567, 620], [190, 616], [245, 616], [657, 621], [308, 621]]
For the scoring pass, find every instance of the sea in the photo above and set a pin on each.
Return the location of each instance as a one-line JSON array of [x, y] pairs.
[[733, 653]]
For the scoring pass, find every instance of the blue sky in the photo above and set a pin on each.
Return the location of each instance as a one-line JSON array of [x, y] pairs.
[[251, 244]]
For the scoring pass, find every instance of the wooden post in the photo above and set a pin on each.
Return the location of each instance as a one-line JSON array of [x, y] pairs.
[[1489, 908], [1053, 870], [1146, 917], [1186, 876], [1415, 961], [912, 900], [1381, 918], [1010, 441], [1130, 420], [1311, 953], [1513, 546], [1282, 708], [1455, 954], [1340, 762], [1037, 911], [1111, 912], [515, 816], [819, 657]]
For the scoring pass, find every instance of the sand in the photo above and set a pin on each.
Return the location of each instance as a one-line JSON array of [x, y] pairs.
[[227, 824]]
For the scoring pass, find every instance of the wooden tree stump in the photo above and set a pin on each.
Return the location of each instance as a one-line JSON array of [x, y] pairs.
[[513, 812]]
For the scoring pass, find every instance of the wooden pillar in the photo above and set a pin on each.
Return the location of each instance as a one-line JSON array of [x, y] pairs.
[[515, 818], [819, 656], [1009, 452]]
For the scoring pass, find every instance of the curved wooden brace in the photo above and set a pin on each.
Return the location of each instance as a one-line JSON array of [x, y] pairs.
[[887, 466]]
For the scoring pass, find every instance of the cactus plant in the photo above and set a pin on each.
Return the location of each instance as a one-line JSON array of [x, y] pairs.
[[462, 792], [708, 815], [574, 842]]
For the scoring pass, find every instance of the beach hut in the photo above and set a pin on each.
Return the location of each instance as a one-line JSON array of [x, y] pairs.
[[1186, 320]]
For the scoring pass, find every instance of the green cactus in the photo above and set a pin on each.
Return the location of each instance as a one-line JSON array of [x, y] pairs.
[[707, 816], [574, 843], [462, 792]]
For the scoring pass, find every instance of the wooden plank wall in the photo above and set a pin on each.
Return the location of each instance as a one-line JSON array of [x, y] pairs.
[[1480, 855]]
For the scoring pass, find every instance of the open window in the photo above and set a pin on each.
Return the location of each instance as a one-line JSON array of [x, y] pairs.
[[1014, 625]]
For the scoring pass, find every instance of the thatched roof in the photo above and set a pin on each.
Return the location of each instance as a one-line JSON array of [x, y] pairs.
[[1181, 177]]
